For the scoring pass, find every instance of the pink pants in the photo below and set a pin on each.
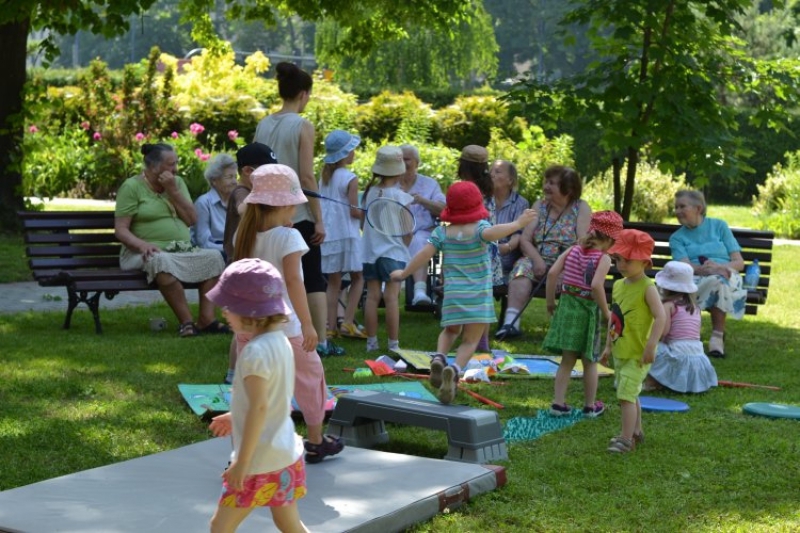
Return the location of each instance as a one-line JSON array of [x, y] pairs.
[[310, 389]]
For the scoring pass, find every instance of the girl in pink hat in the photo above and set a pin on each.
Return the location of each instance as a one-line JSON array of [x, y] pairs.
[[266, 232], [467, 306], [266, 450], [577, 327]]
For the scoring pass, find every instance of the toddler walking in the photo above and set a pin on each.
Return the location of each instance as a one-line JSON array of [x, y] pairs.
[[266, 232], [266, 450], [576, 330], [680, 365], [382, 253], [635, 325], [341, 249], [467, 305]]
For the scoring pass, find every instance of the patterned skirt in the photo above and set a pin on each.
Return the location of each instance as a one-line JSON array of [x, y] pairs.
[[189, 267], [576, 327], [726, 294]]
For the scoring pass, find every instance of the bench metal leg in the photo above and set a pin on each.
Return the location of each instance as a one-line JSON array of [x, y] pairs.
[[73, 302], [93, 302]]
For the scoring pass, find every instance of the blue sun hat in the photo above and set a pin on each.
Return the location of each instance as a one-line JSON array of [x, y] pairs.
[[338, 144]]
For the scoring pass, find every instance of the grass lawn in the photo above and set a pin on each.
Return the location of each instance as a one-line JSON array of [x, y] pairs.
[[73, 400]]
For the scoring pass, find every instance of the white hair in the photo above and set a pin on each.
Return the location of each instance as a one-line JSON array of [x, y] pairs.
[[217, 166], [412, 149]]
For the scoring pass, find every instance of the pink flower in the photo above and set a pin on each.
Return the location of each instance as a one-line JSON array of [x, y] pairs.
[[233, 135], [33, 128], [140, 136], [204, 157], [97, 136], [85, 125], [196, 128], [174, 135], [198, 152]]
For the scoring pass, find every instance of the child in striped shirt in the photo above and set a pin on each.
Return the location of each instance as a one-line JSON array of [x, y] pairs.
[[467, 305], [577, 326]]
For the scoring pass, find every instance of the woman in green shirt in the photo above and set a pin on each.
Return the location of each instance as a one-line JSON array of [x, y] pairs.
[[152, 218]]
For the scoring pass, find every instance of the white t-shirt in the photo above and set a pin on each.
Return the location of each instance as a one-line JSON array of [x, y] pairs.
[[376, 244], [336, 217], [270, 357], [272, 246]]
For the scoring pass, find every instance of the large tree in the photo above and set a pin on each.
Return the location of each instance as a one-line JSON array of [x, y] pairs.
[[370, 21], [667, 74]]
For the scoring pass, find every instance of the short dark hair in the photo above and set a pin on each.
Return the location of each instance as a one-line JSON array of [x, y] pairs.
[[570, 183], [292, 80], [153, 153], [477, 173]]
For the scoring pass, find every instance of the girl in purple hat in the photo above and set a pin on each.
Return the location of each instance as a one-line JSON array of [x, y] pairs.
[[467, 306], [266, 467]]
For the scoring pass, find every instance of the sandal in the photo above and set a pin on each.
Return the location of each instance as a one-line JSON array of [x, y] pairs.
[[351, 331], [621, 445], [215, 327], [638, 438], [330, 445], [187, 329], [447, 391], [438, 362]]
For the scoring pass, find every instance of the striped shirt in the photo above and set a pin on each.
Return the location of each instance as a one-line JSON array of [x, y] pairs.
[[580, 266], [683, 325]]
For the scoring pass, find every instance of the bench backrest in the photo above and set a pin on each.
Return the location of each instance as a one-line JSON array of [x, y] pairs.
[[58, 241]]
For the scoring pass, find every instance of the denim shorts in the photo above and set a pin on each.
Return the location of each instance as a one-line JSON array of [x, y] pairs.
[[382, 268]]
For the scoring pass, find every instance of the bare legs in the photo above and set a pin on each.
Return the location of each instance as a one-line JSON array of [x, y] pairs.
[[353, 296], [391, 297], [631, 418], [318, 307], [470, 335], [287, 519], [172, 291]]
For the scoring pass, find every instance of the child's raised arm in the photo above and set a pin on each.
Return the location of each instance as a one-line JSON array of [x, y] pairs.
[[659, 320], [297, 295], [417, 262], [497, 232]]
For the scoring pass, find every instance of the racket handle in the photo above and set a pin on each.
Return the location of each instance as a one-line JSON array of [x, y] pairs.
[[312, 194]]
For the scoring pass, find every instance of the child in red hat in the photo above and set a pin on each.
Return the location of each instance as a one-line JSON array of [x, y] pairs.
[[467, 306], [636, 323], [575, 331]]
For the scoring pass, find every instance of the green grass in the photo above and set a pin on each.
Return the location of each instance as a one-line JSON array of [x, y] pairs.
[[73, 400]]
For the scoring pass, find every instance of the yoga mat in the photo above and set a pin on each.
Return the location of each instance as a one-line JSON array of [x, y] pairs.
[[208, 401], [529, 428]]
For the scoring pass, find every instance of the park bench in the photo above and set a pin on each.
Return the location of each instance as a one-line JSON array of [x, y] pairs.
[[78, 250], [755, 245]]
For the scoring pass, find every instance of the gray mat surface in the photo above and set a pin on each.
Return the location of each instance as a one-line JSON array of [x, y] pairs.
[[176, 491]]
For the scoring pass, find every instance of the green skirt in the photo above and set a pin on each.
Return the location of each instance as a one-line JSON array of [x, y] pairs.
[[576, 327]]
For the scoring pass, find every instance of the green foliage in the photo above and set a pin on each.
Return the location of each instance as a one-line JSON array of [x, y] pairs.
[[330, 108], [381, 117], [652, 199], [470, 121], [777, 205]]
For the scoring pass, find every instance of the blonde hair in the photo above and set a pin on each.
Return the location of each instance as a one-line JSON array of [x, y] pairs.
[[263, 322], [329, 168], [595, 239], [254, 219]]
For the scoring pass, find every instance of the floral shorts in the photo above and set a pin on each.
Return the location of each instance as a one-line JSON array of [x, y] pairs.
[[270, 489]]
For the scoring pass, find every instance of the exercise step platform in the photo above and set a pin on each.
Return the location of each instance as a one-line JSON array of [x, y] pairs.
[[473, 435]]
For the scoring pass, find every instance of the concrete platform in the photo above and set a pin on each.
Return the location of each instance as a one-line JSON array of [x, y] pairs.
[[360, 490]]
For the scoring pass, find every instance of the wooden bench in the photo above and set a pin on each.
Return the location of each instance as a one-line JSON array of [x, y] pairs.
[[755, 245], [78, 250]]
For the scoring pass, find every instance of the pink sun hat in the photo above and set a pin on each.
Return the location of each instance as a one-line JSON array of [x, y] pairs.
[[250, 287], [275, 185]]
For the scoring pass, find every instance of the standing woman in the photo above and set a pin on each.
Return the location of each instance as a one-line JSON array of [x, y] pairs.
[[291, 137], [151, 220]]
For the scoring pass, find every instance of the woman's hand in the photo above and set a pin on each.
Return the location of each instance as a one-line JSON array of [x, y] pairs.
[[710, 268], [167, 180], [319, 233], [148, 250]]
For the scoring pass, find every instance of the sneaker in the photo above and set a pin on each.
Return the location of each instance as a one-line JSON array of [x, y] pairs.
[[593, 411], [351, 331], [330, 350], [447, 391], [560, 410], [437, 366], [394, 346], [420, 298], [507, 331], [372, 346]]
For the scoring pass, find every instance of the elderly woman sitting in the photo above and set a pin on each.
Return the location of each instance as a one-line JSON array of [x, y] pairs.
[[211, 207], [710, 247], [152, 219]]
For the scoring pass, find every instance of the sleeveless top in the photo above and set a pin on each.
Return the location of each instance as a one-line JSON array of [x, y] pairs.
[[281, 132], [631, 319], [580, 266], [683, 325], [553, 237]]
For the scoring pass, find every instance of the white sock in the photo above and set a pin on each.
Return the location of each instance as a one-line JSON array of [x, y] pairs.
[[420, 286], [372, 343], [511, 314], [715, 343], [393, 344]]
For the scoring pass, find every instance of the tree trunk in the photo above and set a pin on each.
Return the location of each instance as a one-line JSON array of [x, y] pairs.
[[630, 178], [616, 166], [13, 54]]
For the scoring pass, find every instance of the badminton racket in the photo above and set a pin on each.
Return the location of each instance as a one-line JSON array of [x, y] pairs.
[[385, 215]]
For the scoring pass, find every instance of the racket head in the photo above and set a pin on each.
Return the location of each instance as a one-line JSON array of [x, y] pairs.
[[389, 217]]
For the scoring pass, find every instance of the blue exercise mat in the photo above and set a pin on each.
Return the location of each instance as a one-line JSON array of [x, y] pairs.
[[772, 410], [662, 405]]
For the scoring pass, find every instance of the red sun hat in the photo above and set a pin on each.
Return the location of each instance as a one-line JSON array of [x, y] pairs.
[[606, 222], [632, 244], [464, 204]]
